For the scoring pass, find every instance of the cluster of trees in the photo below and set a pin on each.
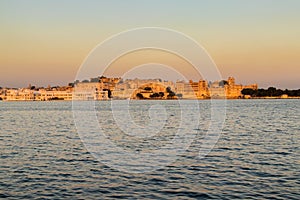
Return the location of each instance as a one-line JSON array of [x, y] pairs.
[[271, 92], [157, 95]]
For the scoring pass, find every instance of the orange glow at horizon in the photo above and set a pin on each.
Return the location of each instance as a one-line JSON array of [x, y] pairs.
[[256, 43]]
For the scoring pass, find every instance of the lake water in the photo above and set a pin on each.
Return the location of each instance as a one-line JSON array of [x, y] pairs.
[[256, 156]]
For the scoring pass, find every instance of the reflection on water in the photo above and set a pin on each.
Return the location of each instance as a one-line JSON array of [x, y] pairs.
[[256, 157]]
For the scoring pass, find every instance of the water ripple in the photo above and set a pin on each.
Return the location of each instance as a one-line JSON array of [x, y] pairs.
[[256, 157]]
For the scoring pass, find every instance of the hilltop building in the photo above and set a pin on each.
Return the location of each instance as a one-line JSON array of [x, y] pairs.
[[218, 89], [42, 94], [234, 91]]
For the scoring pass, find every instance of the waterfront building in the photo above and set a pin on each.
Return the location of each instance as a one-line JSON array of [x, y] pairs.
[[20, 95], [48, 95], [103, 88], [90, 91]]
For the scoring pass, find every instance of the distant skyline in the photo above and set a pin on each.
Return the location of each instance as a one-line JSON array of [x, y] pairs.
[[45, 42]]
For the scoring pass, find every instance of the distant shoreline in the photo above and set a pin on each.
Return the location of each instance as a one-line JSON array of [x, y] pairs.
[[253, 98], [106, 88]]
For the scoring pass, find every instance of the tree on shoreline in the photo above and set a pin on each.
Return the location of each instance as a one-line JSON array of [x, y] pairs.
[[161, 94], [179, 95], [139, 96], [270, 92], [168, 90], [171, 93]]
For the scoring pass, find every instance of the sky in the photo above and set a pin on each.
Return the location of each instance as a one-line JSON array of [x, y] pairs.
[[45, 42]]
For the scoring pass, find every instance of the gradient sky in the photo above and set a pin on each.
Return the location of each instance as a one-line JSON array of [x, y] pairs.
[[45, 42]]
